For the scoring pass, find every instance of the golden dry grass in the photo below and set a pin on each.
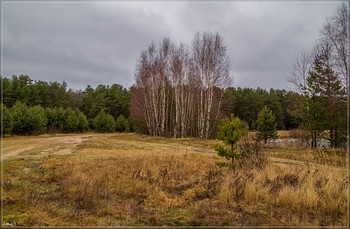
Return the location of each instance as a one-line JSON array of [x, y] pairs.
[[127, 179]]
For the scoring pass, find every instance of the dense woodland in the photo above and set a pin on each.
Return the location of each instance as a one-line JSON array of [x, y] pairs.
[[21, 92], [184, 90], [61, 110]]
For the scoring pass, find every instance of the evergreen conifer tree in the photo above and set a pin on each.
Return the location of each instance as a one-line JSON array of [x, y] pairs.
[[231, 130], [266, 125]]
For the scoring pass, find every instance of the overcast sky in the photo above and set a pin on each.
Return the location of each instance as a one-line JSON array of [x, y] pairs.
[[99, 43]]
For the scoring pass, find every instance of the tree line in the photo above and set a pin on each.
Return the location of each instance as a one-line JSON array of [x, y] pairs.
[[113, 99], [106, 109], [37, 107], [55, 99], [246, 103], [23, 120]]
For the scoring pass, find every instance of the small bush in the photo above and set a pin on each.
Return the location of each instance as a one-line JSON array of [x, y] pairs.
[[52, 120], [83, 122], [7, 120], [55, 119], [28, 120], [71, 121], [104, 122], [18, 112], [36, 120], [122, 124]]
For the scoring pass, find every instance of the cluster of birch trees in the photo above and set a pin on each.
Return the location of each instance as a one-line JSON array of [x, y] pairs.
[[179, 88]]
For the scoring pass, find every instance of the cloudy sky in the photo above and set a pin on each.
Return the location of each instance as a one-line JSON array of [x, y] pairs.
[[100, 42]]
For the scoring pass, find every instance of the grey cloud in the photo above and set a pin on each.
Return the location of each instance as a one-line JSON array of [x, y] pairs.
[[100, 43]]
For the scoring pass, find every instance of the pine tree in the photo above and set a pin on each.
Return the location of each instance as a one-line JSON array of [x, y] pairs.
[[7, 120], [36, 120], [60, 115], [53, 120], [266, 125], [121, 123], [104, 122], [83, 122], [18, 112], [231, 130], [70, 121], [327, 97]]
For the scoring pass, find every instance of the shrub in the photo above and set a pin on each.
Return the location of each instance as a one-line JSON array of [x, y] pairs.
[[83, 122], [7, 120], [18, 112], [54, 119], [104, 122], [131, 125], [128, 127], [122, 124], [71, 121], [60, 118], [36, 120]]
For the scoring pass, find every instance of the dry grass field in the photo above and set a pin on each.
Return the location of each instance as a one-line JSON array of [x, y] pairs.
[[132, 180]]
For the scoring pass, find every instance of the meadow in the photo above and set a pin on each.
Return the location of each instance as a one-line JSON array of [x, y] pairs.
[[136, 180]]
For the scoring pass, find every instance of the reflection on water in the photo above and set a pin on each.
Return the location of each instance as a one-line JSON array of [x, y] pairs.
[[321, 142]]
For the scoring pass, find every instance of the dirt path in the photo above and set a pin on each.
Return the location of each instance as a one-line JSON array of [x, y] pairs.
[[13, 152], [39, 146], [64, 145], [43, 145]]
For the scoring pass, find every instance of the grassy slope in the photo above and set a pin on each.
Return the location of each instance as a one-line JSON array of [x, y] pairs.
[[127, 179]]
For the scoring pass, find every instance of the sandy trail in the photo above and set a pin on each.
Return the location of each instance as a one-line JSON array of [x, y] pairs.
[[14, 151], [60, 145]]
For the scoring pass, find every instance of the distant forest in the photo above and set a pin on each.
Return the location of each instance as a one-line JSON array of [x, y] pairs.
[[61, 107], [114, 100], [38, 107]]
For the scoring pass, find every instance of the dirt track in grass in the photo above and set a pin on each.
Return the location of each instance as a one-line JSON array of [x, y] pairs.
[[18, 147]]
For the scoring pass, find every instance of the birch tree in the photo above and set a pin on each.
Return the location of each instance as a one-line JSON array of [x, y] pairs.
[[211, 66], [335, 32], [178, 90]]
